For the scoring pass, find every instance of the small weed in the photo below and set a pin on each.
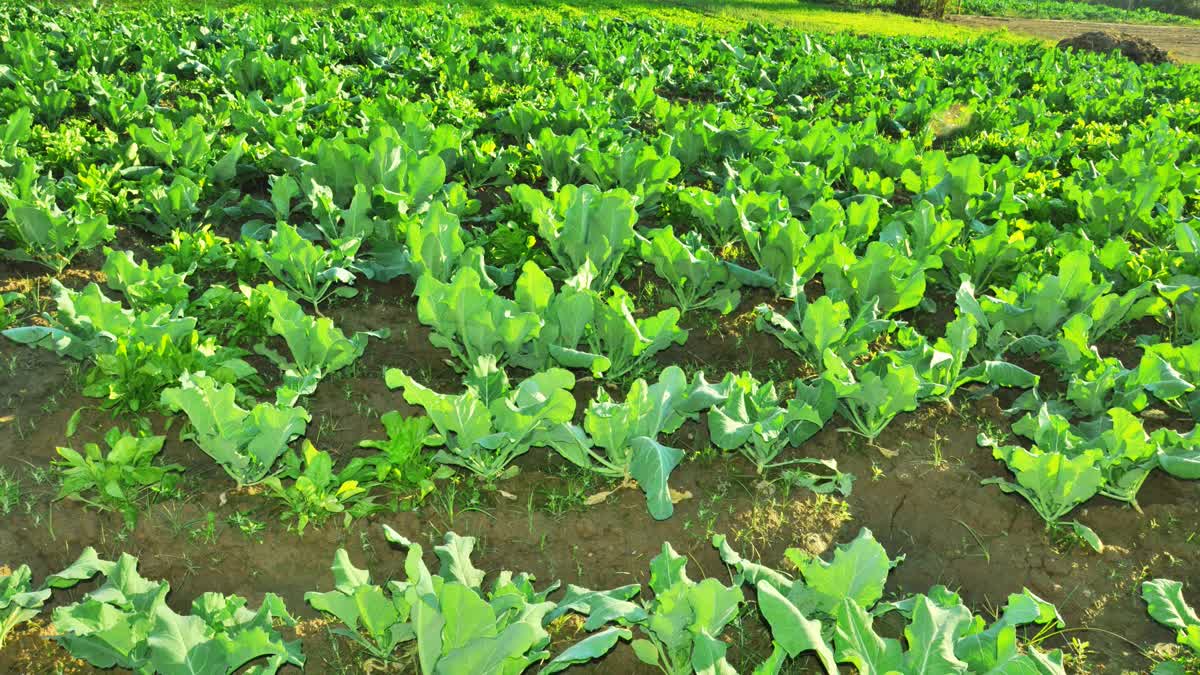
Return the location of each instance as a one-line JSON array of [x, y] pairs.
[[11, 492], [249, 527], [206, 533]]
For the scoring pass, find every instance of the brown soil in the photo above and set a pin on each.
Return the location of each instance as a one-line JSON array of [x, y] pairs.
[[1136, 49], [1181, 42], [950, 529]]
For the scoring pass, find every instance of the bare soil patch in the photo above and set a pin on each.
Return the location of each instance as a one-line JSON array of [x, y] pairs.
[[1182, 42]]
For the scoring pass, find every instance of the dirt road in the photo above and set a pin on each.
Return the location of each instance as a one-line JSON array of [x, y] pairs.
[[1182, 42]]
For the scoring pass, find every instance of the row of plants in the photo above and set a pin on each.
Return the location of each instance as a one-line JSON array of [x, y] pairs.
[[449, 621]]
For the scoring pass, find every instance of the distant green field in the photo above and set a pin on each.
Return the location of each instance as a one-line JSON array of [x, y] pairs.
[[1074, 11], [719, 16], [806, 16]]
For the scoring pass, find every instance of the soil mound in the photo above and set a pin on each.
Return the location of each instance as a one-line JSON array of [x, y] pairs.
[[1136, 49]]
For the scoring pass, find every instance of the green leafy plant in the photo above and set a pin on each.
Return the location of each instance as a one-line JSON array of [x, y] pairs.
[[1166, 605], [682, 624], [115, 479], [377, 618], [826, 480], [316, 493], [48, 235], [829, 612], [788, 252], [472, 321], [310, 271], [883, 275], [456, 625], [752, 421], [811, 328], [566, 315], [630, 343], [871, 395], [12, 304], [724, 217], [1057, 474], [621, 440], [18, 601], [144, 286], [127, 623], [401, 462], [942, 365], [435, 244], [490, 424], [696, 277], [246, 443], [685, 620], [235, 317], [135, 355], [583, 225], [172, 206], [317, 346], [1042, 304]]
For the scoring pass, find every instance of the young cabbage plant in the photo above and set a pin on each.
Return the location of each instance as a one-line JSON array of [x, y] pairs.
[[171, 206], [461, 628], [456, 626], [490, 424], [1170, 373], [630, 343], [639, 167], [311, 272], [472, 321], [566, 314], [583, 224], [435, 244], [1057, 474], [724, 218], [871, 395], [374, 617], [1129, 454], [922, 233], [1125, 454], [883, 275], [135, 355], [942, 365], [1041, 305], [395, 168], [995, 253], [751, 420], [127, 623], [812, 327], [246, 443], [316, 345], [1178, 454], [621, 440], [19, 601], [189, 149], [1166, 605], [828, 612], [145, 286], [697, 278], [682, 624], [789, 253], [47, 235]]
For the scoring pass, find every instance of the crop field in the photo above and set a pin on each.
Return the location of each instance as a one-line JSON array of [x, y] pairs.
[[476, 340]]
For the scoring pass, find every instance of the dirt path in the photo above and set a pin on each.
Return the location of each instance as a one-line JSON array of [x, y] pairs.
[[1182, 42]]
